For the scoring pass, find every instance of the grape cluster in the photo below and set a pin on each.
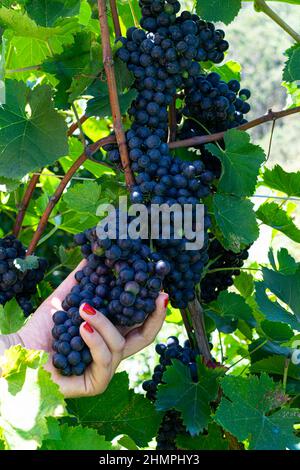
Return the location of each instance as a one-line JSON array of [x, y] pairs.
[[15, 283], [172, 424], [122, 278], [230, 263]]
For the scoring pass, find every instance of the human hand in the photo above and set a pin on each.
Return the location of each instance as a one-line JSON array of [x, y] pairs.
[[108, 346]]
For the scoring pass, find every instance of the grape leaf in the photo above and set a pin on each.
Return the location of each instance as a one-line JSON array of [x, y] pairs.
[[291, 71], [236, 220], [11, 317], [218, 10], [276, 365], [244, 283], [233, 306], [191, 399], [8, 185], [241, 161], [26, 386], [248, 412], [278, 332], [84, 197], [46, 12], [285, 287], [273, 311], [118, 411], [270, 213], [231, 70], [70, 258], [32, 133], [285, 182], [213, 440], [287, 264], [30, 262], [77, 438]]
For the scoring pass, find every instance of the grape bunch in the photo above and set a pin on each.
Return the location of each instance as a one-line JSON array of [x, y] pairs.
[[14, 283], [172, 424], [229, 263], [121, 278]]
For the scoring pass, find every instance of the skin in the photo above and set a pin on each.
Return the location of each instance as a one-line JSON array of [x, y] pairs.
[[108, 345]]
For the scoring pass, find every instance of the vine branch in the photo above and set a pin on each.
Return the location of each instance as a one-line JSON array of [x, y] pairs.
[[197, 318], [262, 6], [113, 93], [115, 17], [60, 189], [24, 204]]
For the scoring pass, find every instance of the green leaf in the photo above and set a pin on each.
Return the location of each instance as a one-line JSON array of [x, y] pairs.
[[291, 71], [191, 399], [118, 411], [77, 438], [100, 106], [70, 258], [270, 213], [213, 440], [11, 317], [27, 398], [244, 283], [285, 287], [236, 219], [273, 311], [8, 185], [32, 133], [248, 412], [287, 264], [276, 331], [84, 197], [241, 161], [283, 181], [218, 10], [27, 264], [233, 306], [46, 12], [275, 365], [231, 70]]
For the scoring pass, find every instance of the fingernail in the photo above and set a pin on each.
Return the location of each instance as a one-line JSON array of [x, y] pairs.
[[89, 309], [166, 302], [88, 327]]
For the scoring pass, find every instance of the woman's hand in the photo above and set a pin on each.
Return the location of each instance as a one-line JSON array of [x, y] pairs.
[[108, 346]]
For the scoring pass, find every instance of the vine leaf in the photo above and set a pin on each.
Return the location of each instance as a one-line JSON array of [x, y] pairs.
[[232, 306], [26, 386], [291, 72], [275, 365], [218, 10], [248, 412], [191, 399], [288, 183], [118, 411], [231, 70], [278, 332], [244, 283], [236, 220], [46, 12], [270, 213], [213, 440], [32, 133], [241, 161], [11, 317], [272, 310], [285, 287], [70, 258], [77, 438], [287, 264], [84, 197]]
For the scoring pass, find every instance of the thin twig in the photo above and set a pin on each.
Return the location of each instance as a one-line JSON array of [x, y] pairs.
[[271, 140], [74, 126], [113, 93], [59, 191], [24, 204], [79, 124], [172, 121], [262, 6], [115, 17], [270, 116]]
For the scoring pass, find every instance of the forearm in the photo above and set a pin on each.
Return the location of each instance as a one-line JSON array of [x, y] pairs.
[[6, 341]]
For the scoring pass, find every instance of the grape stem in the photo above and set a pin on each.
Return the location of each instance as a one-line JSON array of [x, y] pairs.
[[75, 125], [261, 6], [115, 17], [113, 93]]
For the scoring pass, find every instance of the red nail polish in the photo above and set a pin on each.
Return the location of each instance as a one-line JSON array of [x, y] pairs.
[[88, 328], [166, 302], [89, 309]]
